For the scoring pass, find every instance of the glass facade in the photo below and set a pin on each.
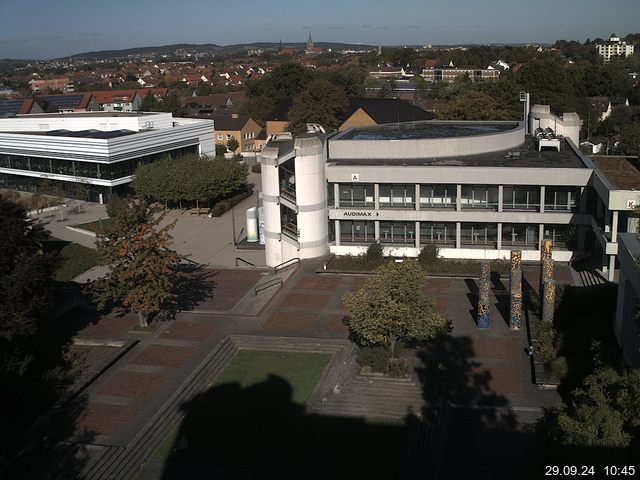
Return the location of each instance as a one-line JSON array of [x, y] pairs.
[[438, 196], [398, 233], [521, 197], [360, 233], [289, 222], [356, 195], [563, 199], [75, 168], [479, 235], [443, 234], [520, 236], [562, 236], [397, 195], [479, 196], [287, 177]]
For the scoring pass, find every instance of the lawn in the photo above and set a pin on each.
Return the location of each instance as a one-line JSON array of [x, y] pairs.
[[74, 259], [93, 226], [251, 423]]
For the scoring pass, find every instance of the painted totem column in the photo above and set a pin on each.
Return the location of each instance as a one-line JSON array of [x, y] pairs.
[[483, 295], [515, 290], [549, 300]]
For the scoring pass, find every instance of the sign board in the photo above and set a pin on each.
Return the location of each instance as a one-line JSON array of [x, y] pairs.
[[631, 204], [355, 177], [359, 214]]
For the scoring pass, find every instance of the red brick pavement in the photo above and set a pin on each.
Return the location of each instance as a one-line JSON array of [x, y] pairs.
[[188, 330], [133, 384], [505, 381], [289, 321], [305, 300], [336, 324], [110, 326], [105, 419], [228, 286], [495, 348], [163, 356], [318, 283]]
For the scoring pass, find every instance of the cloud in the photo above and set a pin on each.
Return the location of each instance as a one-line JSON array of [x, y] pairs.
[[5, 41], [47, 38], [365, 26], [92, 34], [335, 27]]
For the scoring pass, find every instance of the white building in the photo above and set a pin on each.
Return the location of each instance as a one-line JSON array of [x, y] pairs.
[[614, 47], [474, 189], [100, 150]]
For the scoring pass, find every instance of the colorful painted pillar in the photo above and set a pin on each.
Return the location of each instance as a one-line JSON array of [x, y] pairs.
[[549, 300], [483, 296], [515, 290], [545, 256]]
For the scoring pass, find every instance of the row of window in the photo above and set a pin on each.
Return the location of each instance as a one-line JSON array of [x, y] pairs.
[[483, 235], [106, 171], [444, 196]]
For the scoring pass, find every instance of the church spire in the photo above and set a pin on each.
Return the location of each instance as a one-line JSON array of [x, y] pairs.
[[309, 42]]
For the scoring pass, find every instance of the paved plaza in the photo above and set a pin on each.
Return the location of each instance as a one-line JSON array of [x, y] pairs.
[[490, 366]]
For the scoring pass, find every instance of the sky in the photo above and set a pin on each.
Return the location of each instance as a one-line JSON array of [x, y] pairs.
[[44, 29]]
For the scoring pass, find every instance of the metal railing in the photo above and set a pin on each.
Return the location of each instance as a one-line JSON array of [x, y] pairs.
[[238, 259], [271, 283], [287, 264]]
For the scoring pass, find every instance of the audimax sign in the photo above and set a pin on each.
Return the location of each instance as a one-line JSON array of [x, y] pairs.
[[359, 213]]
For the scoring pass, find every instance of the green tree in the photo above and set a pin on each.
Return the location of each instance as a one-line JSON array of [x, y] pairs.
[[233, 144], [473, 105], [548, 82], [320, 102], [143, 273], [630, 139], [392, 306], [149, 103]]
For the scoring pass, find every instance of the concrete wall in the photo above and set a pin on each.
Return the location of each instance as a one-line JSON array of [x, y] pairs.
[[568, 125], [428, 147], [625, 325]]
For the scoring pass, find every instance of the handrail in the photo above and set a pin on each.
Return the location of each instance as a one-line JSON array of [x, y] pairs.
[[244, 261], [271, 283], [286, 264]]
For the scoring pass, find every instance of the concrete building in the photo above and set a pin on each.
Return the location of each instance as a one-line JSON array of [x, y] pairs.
[[450, 73], [614, 47], [241, 127], [625, 325], [97, 150], [474, 189]]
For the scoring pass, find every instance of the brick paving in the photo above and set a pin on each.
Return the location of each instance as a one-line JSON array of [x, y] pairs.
[[305, 300], [163, 355], [189, 330], [291, 321], [228, 287], [133, 384], [105, 419]]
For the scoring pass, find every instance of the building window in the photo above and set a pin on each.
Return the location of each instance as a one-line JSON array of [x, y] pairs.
[[520, 236], [360, 233], [397, 233], [287, 177], [479, 196], [438, 234], [219, 136], [480, 235], [289, 222], [522, 198], [330, 196], [229, 137], [397, 195], [356, 195], [564, 199], [562, 236], [438, 196]]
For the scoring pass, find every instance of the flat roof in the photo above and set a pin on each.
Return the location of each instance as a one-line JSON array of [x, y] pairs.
[[526, 156], [89, 114], [622, 172], [98, 134], [425, 129]]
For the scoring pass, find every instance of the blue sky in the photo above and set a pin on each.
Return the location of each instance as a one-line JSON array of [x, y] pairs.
[[55, 28]]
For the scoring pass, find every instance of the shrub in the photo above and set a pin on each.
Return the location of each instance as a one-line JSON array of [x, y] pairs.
[[428, 256], [545, 348], [256, 168], [374, 254], [375, 357], [398, 367], [559, 367]]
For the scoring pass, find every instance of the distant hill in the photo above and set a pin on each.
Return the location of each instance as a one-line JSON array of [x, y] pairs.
[[210, 48]]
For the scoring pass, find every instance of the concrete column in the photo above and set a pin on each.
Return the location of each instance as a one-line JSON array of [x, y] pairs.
[[499, 244], [458, 234], [612, 268], [540, 236], [377, 225], [336, 229], [458, 199], [614, 226], [417, 232], [376, 199], [336, 194], [549, 301], [500, 197], [515, 290], [542, 190], [417, 196]]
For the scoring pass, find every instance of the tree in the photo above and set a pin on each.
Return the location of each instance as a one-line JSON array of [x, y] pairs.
[[473, 105], [220, 150], [320, 102], [392, 306], [149, 103], [233, 144], [143, 271]]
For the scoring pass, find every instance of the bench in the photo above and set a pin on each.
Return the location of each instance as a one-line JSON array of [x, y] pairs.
[[199, 211]]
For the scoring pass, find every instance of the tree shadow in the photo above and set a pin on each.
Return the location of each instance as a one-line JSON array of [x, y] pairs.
[[472, 297], [472, 421], [259, 432], [195, 288]]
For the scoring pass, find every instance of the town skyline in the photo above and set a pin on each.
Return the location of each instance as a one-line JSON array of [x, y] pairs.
[[73, 29]]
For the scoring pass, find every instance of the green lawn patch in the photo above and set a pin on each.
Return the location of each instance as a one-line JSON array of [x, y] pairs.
[[74, 259], [251, 423], [93, 226]]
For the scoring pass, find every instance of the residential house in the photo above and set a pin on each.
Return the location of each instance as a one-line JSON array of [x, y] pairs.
[[241, 127], [68, 102], [614, 47], [364, 112], [200, 105], [277, 120], [41, 85]]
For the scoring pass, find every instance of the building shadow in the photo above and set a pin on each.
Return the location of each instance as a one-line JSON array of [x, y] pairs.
[[259, 432], [472, 297]]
